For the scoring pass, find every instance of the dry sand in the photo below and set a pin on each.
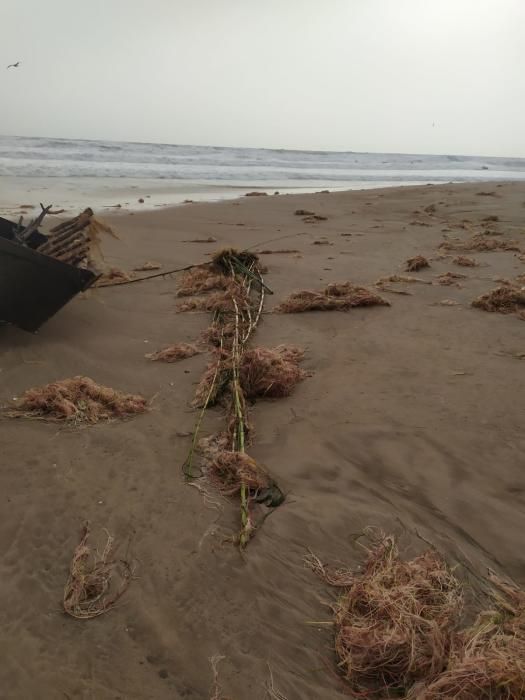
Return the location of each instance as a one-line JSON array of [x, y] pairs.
[[411, 421]]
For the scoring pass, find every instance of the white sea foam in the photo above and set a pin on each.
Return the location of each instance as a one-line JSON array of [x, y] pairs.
[[43, 157]]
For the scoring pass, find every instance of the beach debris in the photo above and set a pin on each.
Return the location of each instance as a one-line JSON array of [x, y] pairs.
[[96, 581], [394, 619], [223, 301], [200, 279], [418, 222], [76, 241], [209, 239], [147, 266], [401, 278], [322, 241], [282, 251], [304, 212], [237, 310], [447, 302], [140, 200], [216, 690], [271, 372], [314, 217], [492, 217], [114, 275], [480, 243], [337, 296], [174, 353], [262, 373], [256, 194], [77, 400], [48, 284], [487, 660], [447, 279], [430, 209], [416, 263], [463, 261], [506, 299], [487, 194]]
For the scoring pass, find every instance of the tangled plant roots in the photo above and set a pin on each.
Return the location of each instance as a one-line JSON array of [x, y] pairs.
[[90, 590], [173, 353], [416, 263], [199, 280], [79, 400], [340, 297], [395, 620], [488, 660], [271, 372], [463, 261], [505, 300]]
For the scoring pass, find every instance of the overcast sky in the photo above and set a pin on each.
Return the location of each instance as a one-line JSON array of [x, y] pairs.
[[416, 76]]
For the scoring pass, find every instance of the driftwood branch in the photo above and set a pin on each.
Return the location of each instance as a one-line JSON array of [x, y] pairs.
[[33, 226]]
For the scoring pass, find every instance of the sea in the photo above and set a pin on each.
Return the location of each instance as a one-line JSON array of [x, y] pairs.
[[211, 172]]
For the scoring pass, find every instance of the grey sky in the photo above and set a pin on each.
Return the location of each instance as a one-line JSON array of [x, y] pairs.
[[364, 75]]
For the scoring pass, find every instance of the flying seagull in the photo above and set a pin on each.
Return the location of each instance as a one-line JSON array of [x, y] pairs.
[[14, 65]]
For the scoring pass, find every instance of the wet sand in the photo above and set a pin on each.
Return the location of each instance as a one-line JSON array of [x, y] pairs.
[[412, 421]]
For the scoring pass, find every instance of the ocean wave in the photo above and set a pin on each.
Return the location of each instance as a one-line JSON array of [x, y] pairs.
[[50, 157]]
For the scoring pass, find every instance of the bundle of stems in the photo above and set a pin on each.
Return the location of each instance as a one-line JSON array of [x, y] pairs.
[[232, 331]]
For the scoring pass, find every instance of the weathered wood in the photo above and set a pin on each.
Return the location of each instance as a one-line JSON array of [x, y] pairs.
[[76, 224], [33, 226]]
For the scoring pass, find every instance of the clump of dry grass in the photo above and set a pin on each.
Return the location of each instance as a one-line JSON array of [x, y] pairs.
[[221, 302], [263, 372], [214, 380], [394, 620], [229, 470], [340, 297], [78, 400], [173, 353], [480, 243], [488, 660], [463, 261], [90, 590], [199, 280], [505, 299], [447, 279], [271, 372], [416, 263]]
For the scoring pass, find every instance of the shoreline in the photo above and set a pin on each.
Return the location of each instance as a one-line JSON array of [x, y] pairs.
[[106, 195]]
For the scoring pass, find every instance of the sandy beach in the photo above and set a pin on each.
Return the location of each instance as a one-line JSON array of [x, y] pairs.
[[410, 421]]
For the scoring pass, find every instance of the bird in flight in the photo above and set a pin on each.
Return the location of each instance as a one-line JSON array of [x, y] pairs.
[[14, 65]]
